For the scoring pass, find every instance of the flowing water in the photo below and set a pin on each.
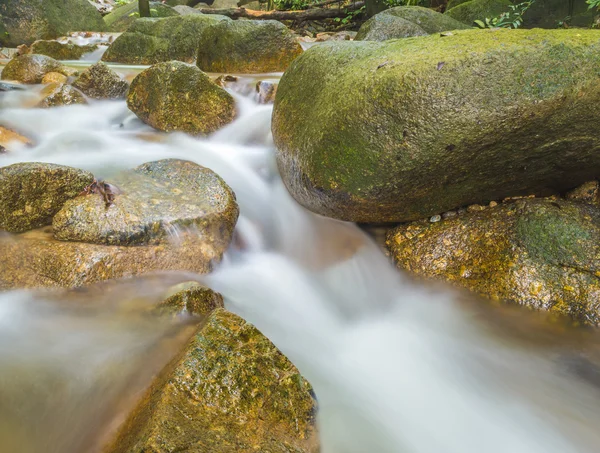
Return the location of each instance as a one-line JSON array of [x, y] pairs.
[[396, 366]]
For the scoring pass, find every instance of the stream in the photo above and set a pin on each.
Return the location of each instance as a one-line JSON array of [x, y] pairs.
[[396, 366]]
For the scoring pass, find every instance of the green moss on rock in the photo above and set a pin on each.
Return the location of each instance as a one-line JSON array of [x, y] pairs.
[[32, 68], [472, 10], [176, 96], [405, 129], [544, 254], [247, 46], [31, 193], [26, 21], [61, 51], [122, 17], [100, 82], [231, 390]]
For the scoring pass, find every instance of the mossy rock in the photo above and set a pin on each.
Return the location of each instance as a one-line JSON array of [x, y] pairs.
[[472, 10], [59, 94], [541, 253], [248, 46], [404, 22], [100, 82], [155, 202], [176, 96], [191, 298], [150, 41], [405, 129], [31, 193], [25, 21], [32, 68], [61, 51], [452, 3], [54, 77], [122, 17], [231, 390]]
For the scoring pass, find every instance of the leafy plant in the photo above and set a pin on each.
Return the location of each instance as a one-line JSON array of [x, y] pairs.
[[394, 3], [291, 4], [350, 15], [509, 19], [593, 4]]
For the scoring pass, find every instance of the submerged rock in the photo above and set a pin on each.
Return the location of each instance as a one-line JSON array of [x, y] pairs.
[[32, 68], [176, 96], [247, 46], [230, 391], [537, 252], [469, 11], [150, 41], [31, 193], [266, 91], [8, 137], [406, 129], [404, 22], [58, 94], [61, 51], [100, 82], [153, 203], [122, 17], [23, 22]]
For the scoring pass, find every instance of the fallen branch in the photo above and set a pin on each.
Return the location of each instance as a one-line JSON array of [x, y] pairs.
[[310, 14]]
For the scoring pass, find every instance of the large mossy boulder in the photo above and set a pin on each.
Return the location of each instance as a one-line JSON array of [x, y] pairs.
[[152, 204], [405, 129], [541, 253], [405, 22], [61, 51], [31, 69], [231, 390], [100, 82], [176, 96], [468, 12], [150, 41], [32, 193], [247, 46], [25, 21], [122, 17]]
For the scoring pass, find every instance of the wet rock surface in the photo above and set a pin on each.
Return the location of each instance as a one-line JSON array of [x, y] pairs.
[[155, 202], [542, 253], [32, 68], [266, 92], [247, 46], [192, 298], [100, 82], [176, 96], [231, 390], [58, 94], [406, 129], [61, 51], [31, 193]]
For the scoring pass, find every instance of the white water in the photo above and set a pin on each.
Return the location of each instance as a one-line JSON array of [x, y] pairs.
[[396, 367]]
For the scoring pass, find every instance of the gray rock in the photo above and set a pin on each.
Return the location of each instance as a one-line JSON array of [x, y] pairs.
[[100, 82]]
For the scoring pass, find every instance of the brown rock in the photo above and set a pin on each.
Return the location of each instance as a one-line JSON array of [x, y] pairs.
[[56, 95], [54, 77]]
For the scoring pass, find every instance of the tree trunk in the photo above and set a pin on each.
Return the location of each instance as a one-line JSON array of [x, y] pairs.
[[144, 7], [310, 14]]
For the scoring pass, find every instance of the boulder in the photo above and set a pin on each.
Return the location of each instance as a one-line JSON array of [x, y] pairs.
[[468, 12], [122, 17], [404, 22], [231, 390], [32, 68], [61, 51], [247, 46], [191, 298], [153, 203], [31, 193], [150, 41], [405, 129], [541, 253], [8, 138], [25, 21], [36, 259], [100, 82], [176, 96], [54, 77], [58, 94]]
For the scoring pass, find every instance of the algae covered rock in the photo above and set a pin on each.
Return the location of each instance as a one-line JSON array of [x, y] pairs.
[[472, 10], [405, 129], [25, 21], [537, 252], [176, 96], [153, 203], [122, 17], [404, 22], [31, 193], [32, 68], [100, 82], [58, 94], [247, 46], [192, 298], [61, 51], [54, 77], [230, 391], [150, 40]]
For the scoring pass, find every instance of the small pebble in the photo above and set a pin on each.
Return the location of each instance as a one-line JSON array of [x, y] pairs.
[[449, 215], [435, 218], [493, 204]]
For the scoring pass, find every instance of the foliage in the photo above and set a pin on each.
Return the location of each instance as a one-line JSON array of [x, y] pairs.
[[121, 2], [291, 4], [350, 15], [394, 3], [510, 19], [593, 4]]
